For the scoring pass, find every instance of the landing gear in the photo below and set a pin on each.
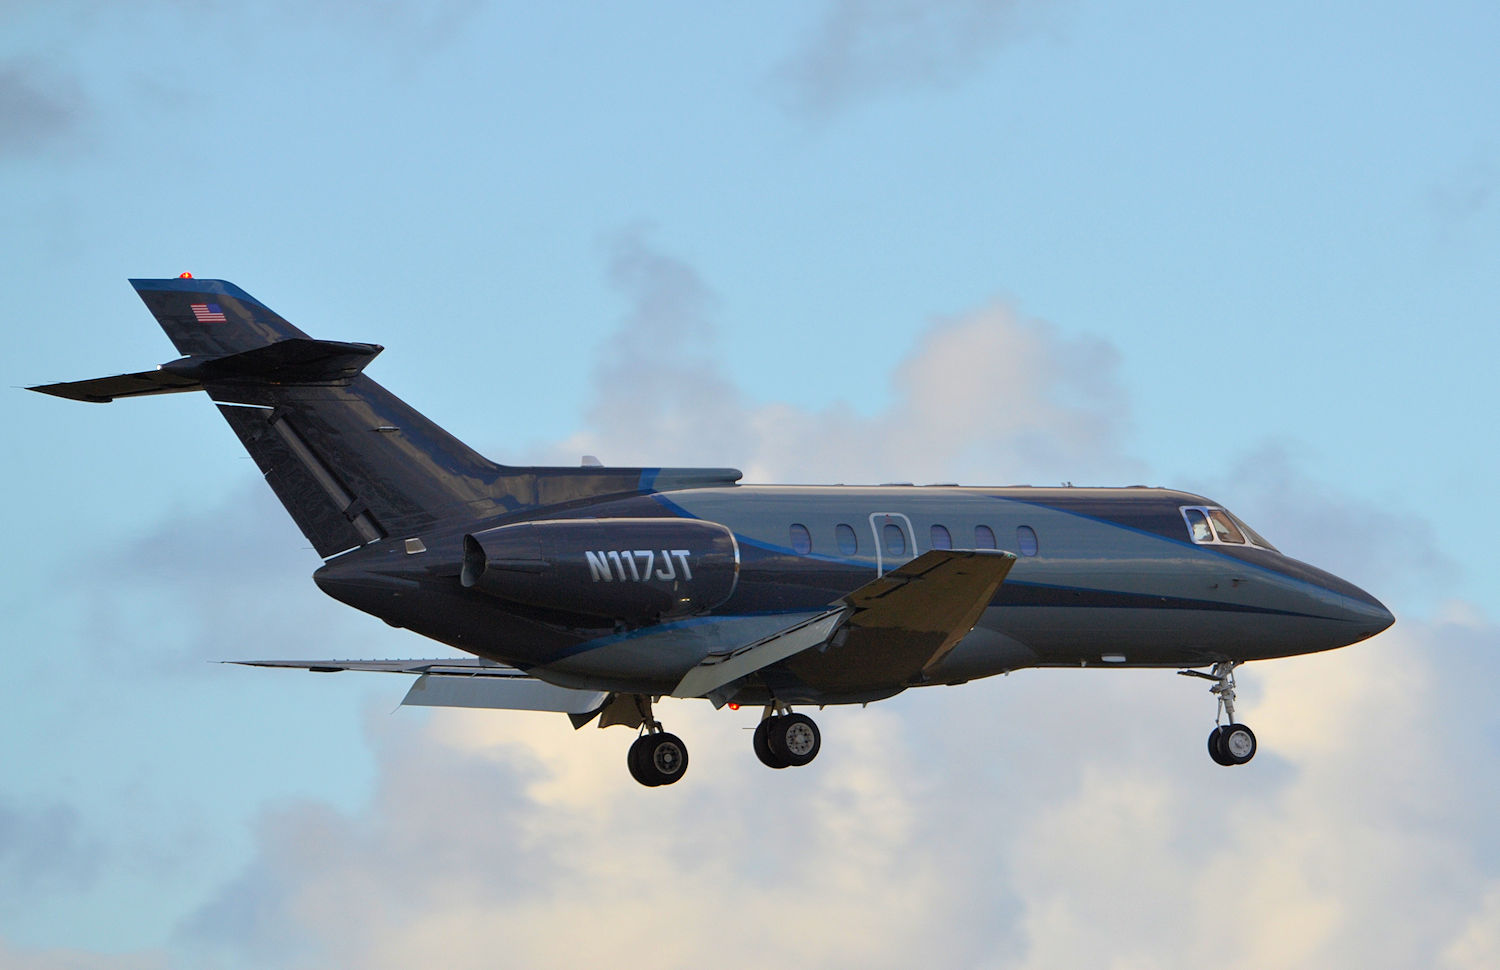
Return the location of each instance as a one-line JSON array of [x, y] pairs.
[[1233, 743], [656, 757], [786, 740]]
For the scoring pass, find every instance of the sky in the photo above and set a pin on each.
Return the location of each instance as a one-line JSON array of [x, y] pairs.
[[1247, 250]]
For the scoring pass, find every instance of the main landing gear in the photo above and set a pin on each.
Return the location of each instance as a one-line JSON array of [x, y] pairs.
[[782, 740], [656, 757], [786, 740], [1231, 743]]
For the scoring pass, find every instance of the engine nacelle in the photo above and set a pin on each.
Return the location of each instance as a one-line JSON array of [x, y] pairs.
[[638, 570]]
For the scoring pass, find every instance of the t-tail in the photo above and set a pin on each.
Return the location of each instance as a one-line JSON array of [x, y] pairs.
[[351, 462]]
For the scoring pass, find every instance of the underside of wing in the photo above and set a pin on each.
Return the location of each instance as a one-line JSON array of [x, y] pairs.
[[881, 637], [463, 682], [905, 622]]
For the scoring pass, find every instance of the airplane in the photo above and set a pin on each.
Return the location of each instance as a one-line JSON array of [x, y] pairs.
[[596, 591]]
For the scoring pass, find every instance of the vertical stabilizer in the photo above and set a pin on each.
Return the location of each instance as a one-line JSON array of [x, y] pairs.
[[351, 462]]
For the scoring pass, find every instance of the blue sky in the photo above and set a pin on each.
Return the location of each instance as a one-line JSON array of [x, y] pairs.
[[1248, 250]]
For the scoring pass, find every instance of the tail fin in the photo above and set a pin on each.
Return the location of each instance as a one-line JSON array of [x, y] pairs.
[[212, 318], [351, 462]]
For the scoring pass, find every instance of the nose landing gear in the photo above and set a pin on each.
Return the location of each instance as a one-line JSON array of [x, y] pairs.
[[1232, 743], [786, 740]]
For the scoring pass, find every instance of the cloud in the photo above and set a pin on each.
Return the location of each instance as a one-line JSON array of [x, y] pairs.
[[64, 958], [45, 850], [213, 584], [1466, 191], [493, 836], [864, 48], [1050, 819], [986, 395], [38, 110]]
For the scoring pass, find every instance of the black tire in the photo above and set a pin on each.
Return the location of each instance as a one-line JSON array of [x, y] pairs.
[[795, 739], [635, 759], [665, 759], [1237, 744], [1214, 751], [762, 745]]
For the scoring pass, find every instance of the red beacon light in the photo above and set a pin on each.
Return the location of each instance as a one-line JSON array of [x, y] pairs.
[[184, 276]]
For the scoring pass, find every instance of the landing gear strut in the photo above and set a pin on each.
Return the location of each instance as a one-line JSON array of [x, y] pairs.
[[1228, 743], [786, 740], [656, 757]]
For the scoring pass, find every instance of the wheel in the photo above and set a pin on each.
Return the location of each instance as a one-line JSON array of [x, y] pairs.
[[763, 750], [1237, 744], [794, 738], [635, 759], [1214, 752], [662, 760]]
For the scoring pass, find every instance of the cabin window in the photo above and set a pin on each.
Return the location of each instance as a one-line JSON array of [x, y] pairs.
[[984, 537], [1026, 540], [801, 539], [895, 540], [940, 537], [848, 540]]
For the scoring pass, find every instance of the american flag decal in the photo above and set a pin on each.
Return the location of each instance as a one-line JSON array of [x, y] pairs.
[[208, 313]]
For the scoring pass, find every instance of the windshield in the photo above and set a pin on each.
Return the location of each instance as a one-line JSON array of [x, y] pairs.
[[1211, 525]]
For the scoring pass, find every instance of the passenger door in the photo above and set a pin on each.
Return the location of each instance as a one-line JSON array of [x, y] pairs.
[[895, 542]]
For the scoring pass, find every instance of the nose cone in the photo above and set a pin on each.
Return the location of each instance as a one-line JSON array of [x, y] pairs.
[[1366, 615], [1360, 615]]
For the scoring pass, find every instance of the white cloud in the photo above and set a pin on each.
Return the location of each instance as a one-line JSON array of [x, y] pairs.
[[63, 958], [1054, 819], [984, 395], [863, 48]]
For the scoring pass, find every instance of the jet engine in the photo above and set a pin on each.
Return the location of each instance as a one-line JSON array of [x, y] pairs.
[[638, 570]]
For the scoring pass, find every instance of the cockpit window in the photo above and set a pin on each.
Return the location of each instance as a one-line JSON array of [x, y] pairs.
[[1198, 525], [1226, 530], [1208, 524], [1255, 537]]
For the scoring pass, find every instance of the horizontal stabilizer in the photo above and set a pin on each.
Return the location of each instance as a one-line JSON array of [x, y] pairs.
[[102, 390], [462, 682], [298, 360]]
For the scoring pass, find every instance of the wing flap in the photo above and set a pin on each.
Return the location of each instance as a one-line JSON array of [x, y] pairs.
[[505, 693], [719, 670]]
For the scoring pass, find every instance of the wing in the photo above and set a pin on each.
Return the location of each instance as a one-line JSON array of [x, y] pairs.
[[465, 682], [885, 634]]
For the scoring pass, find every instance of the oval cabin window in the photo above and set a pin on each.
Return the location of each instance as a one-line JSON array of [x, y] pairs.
[[940, 537], [848, 541], [984, 537], [801, 539], [895, 540], [1026, 540]]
